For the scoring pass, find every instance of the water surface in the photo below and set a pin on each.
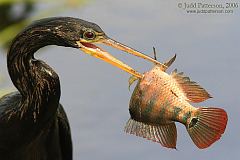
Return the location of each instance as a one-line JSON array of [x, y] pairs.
[[95, 94]]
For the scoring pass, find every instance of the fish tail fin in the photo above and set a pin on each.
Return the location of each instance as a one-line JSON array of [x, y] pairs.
[[207, 126], [165, 134]]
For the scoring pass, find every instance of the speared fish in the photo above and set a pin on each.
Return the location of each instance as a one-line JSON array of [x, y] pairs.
[[161, 99]]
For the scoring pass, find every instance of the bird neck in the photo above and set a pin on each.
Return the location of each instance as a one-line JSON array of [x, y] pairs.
[[38, 84]]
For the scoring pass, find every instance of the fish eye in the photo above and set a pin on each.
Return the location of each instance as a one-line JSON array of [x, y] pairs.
[[89, 35]]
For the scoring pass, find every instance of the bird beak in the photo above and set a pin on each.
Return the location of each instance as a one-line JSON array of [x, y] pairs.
[[120, 46], [98, 52]]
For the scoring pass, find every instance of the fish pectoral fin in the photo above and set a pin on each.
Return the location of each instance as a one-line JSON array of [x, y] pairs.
[[193, 92], [131, 80], [165, 134]]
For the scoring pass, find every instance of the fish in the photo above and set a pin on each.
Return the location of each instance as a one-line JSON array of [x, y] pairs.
[[161, 99]]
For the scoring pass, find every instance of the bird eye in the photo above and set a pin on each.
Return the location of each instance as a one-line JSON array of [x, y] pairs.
[[89, 35]]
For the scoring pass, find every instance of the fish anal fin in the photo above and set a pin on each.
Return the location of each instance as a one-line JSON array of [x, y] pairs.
[[165, 134], [193, 92]]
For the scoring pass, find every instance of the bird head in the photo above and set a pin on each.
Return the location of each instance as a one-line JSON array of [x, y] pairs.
[[86, 35]]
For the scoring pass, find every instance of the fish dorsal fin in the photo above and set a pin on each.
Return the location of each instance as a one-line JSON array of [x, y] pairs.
[[165, 134], [194, 92]]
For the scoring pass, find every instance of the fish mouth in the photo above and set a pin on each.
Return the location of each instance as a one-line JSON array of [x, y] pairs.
[[97, 52]]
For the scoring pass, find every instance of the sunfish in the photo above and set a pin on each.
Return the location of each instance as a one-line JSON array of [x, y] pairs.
[[161, 99]]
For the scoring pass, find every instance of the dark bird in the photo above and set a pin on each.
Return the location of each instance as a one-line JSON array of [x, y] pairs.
[[33, 124]]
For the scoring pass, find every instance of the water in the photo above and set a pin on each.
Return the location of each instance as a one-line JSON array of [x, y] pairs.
[[95, 94]]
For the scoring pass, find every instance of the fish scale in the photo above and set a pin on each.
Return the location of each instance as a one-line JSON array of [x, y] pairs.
[[165, 96]]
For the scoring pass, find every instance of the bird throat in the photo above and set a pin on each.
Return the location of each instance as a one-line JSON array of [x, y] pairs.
[[37, 82]]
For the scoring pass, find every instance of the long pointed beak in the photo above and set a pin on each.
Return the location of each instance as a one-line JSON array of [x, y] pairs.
[[105, 56], [120, 46]]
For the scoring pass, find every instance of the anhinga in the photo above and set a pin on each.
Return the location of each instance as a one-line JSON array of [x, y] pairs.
[[33, 124]]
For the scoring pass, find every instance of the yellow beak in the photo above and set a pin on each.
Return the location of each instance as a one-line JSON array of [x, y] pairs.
[[97, 52]]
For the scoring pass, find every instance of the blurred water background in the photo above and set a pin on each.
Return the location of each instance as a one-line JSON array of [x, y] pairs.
[[95, 95]]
